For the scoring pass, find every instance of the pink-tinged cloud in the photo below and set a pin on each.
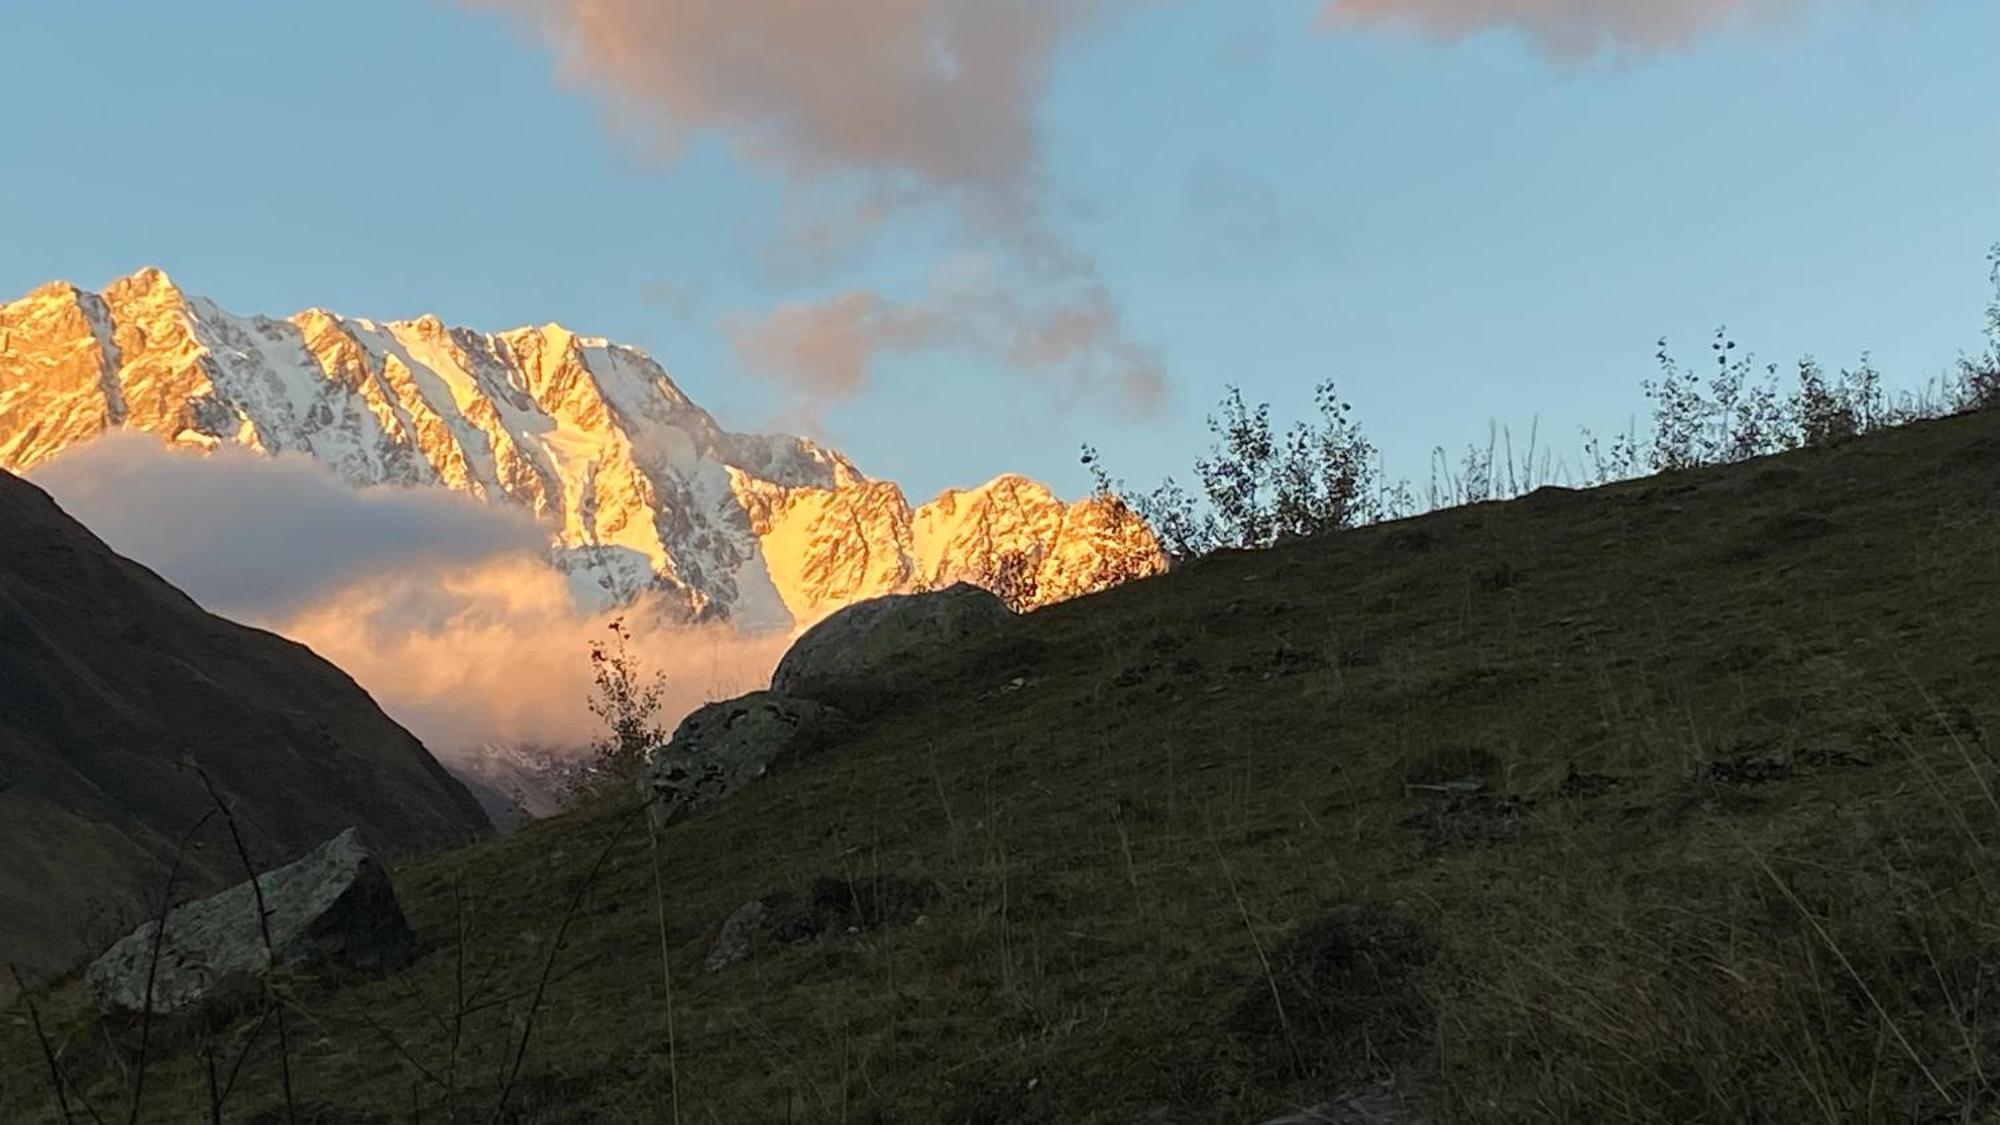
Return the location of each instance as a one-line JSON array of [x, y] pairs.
[[940, 91], [869, 110], [1573, 29], [445, 609], [826, 351]]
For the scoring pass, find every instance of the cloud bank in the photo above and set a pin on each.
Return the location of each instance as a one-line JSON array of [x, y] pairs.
[[263, 534], [1569, 29], [443, 608], [868, 110]]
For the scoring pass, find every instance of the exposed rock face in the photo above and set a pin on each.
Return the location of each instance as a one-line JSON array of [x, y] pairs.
[[639, 486], [680, 786], [108, 676], [862, 646], [724, 746], [331, 912]]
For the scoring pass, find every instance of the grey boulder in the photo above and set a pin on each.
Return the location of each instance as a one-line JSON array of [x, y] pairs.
[[724, 746], [331, 913], [856, 649]]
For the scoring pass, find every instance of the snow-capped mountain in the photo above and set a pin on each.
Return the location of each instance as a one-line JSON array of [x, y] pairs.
[[640, 487]]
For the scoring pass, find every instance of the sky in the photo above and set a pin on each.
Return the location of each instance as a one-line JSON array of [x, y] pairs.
[[962, 237]]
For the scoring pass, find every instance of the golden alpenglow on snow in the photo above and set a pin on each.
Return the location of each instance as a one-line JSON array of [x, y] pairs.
[[1049, 562], [641, 488]]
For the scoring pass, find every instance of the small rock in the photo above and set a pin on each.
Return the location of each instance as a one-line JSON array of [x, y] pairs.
[[1577, 784], [739, 937], [1375, 1105], [830, 908]]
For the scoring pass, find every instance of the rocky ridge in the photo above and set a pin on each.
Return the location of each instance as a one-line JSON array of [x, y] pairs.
[[640, 487]]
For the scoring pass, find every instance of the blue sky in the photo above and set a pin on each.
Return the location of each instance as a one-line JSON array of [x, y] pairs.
[[1457, 229]]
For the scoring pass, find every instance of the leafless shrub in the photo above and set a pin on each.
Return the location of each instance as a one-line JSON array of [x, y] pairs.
[[1604, 462], [273, 1003], [1016, 579], [1258, 487], [1736, 415], [627, 698], [1979, 376]]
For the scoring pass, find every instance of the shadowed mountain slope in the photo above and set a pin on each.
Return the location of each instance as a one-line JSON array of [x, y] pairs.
[[109, 677], [1669, 801]]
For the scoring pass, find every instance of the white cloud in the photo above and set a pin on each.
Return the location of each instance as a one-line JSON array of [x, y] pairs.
[[443, 608]]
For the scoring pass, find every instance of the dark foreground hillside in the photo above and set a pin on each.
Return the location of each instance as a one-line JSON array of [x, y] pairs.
[[109, 678], [1668, 801]]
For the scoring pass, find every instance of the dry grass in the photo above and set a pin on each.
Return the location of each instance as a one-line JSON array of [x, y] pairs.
[[1731, 860]]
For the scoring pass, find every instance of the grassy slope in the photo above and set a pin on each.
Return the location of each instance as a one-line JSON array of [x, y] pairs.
[[1198, 763]]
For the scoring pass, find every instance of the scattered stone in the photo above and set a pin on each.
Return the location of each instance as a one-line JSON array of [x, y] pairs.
[[1832, 757], [1798, 527], [1361, 656], [1501, 577], [1778, 476], [1480, 685], [1284, 660], [312, 1111], [1576, 784], [724, 746], [1746, 655], [831, 907], [1782, 530], [1287, 660], [1126, 808], [1131, 675], [1746, 770], [1469, 820], [331, 913], [1453, 767], [855, 649], [1447, 788], [1383, 1104], [738, 939]]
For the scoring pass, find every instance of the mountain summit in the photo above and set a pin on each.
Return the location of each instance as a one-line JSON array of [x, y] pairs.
[[641, 488]]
